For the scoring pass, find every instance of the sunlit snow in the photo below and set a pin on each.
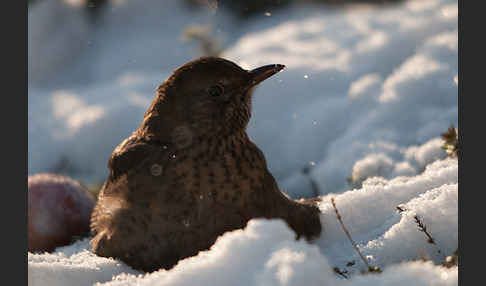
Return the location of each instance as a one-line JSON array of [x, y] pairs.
[[356, 115]]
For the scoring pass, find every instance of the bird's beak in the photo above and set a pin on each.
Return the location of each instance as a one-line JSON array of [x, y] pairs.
[[262, 73]]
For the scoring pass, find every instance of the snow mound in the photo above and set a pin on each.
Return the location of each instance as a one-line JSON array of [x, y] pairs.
[[72, 265], [354, 79], [266, 253], [365, 94], [82, 126], [408, 161]]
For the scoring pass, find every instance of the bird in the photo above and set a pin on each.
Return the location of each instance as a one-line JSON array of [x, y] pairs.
[[190, 172]]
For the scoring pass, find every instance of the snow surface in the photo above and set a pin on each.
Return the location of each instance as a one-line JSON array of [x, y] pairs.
[[356, 81], [266, 252], [353, 80], [356, 115]]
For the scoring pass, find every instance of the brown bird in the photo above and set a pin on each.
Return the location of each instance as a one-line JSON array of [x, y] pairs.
[[190, 172]]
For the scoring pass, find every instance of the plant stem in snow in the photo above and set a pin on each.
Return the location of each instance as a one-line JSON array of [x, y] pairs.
[[370, 269]]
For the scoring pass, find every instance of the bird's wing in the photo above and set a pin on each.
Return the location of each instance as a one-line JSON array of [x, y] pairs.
[[131, 154], [125, 164]]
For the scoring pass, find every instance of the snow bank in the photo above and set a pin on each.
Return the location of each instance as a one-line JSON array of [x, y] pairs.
[[412, 160], [266, 253], [91, 82], [418, 273], [82, 126], [365, 94], [78, 267], [387, 235], [355, 80], [67, 48]]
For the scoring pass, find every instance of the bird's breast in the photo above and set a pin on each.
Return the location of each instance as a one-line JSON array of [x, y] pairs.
[[216, 176]]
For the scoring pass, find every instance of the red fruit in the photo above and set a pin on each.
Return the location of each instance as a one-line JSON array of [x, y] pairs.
[[58, 209]]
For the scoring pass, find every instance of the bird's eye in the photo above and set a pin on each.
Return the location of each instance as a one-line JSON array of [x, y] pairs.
[[215, 90]]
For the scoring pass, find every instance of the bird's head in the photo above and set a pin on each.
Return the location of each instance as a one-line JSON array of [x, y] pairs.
[[209, 96]]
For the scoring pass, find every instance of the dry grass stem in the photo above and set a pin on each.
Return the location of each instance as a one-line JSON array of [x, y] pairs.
[[423, 229], [370, 269]]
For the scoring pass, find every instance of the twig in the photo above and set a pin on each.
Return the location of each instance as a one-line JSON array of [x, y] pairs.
[[401, 208], [423, 229], [370, 268], [350, 263], [342, 273]]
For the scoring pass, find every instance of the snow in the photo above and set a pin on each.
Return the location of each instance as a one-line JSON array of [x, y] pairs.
[[371, 215], [365, 95], [73, 266], [388, 76], [266, 252], [412, 160], [401, 92]]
